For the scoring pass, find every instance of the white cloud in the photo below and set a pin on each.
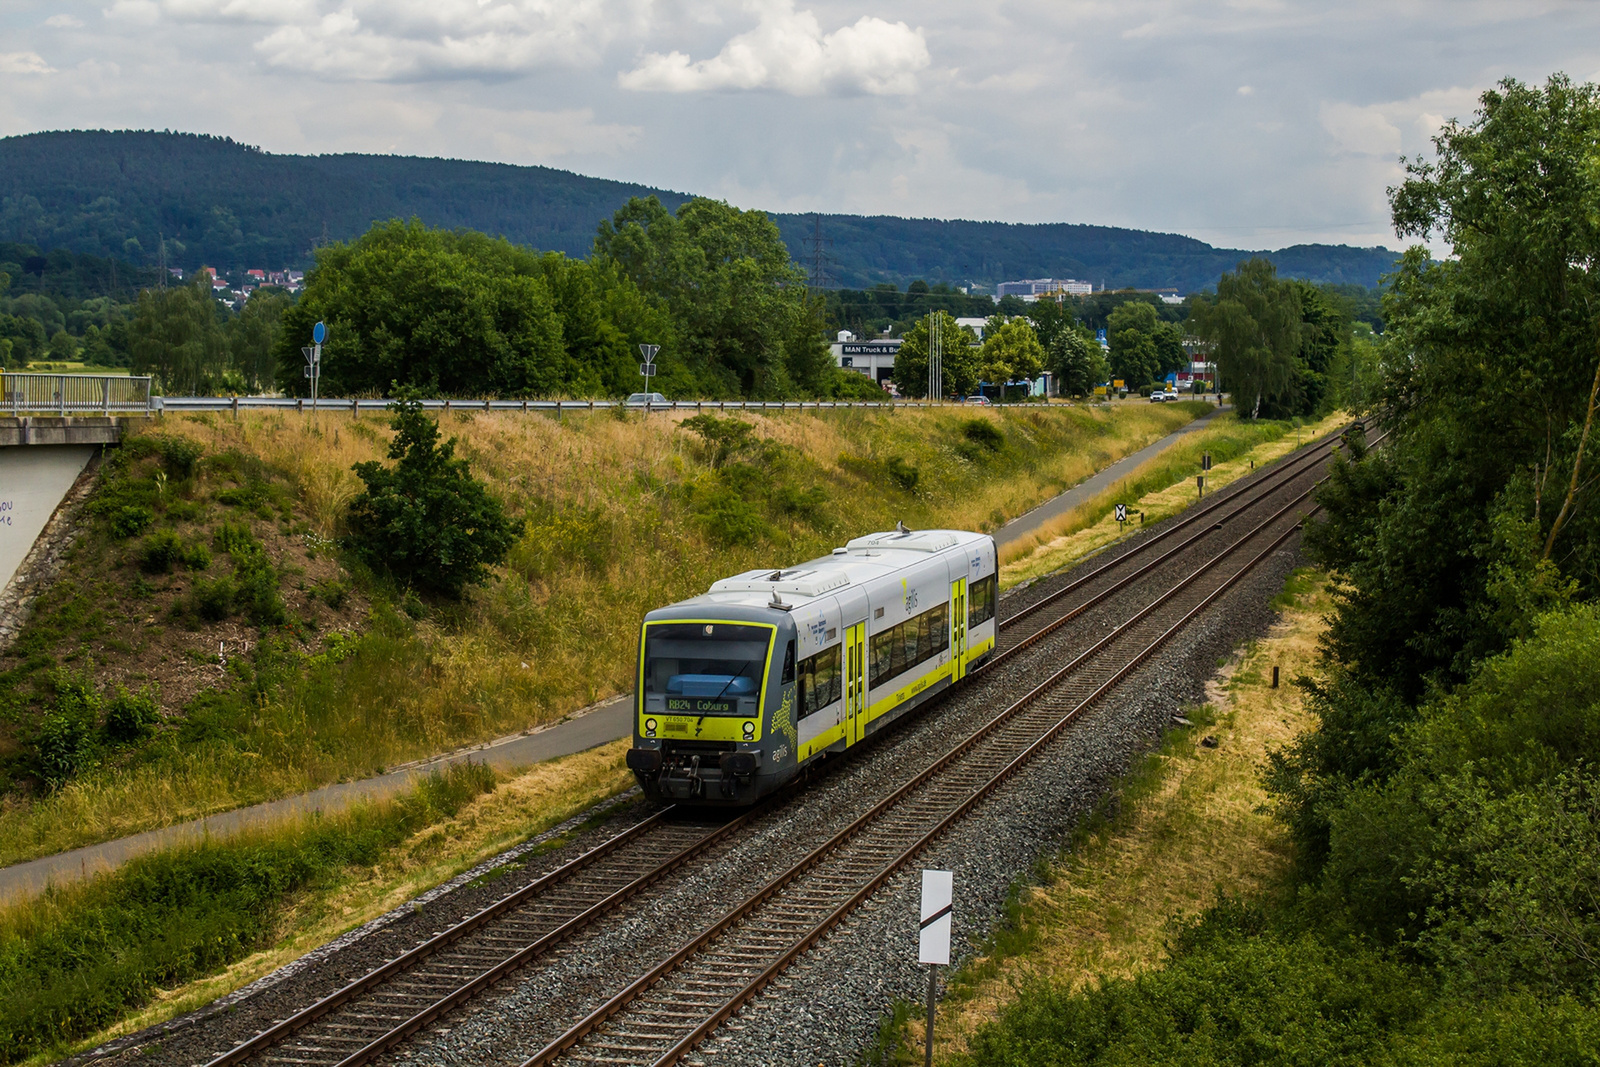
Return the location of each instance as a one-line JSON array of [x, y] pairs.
[[270, 11], [64, 22], [1391, 127], [24, 63], [787, 51], [140, 12], [400, 40]]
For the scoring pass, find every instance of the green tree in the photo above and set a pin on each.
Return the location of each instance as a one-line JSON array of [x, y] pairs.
[[175, 336], [1254, 325], [253, 336], [426, 521], [1077, 361], [958, 360], [63, 347], [745, 324], [461, 314], [1011, 351]]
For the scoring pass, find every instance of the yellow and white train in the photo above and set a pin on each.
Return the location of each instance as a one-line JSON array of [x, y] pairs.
[[741, 687]]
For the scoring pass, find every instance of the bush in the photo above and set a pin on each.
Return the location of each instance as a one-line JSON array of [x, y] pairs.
[[195, 556], [902, 473], [64, 741], [212, 600], [426, 521], [985, 433], [159, 552], [179, 455], [131, 716], [722, 438], [1256, 1000], [130, 520], [730, 518]]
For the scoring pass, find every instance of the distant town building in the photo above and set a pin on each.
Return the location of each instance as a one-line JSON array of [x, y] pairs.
[[1031, 289], [975, 325]]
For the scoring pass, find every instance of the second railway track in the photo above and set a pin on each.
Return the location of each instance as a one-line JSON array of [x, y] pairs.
[[393, 1002]]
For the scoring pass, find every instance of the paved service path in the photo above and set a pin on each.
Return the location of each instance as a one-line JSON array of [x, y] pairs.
[[607, 721]]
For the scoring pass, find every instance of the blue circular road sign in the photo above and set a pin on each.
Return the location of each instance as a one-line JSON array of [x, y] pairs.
[[318, 332]]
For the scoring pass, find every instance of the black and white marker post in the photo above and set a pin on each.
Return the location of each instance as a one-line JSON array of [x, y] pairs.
[[933, 940]]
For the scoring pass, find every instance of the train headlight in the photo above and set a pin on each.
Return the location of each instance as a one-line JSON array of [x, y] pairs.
[[649, 727], [749, 731]]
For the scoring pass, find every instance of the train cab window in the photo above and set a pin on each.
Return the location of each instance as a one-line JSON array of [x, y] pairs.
[[705, 668], [821, 683], [788, 663], [981, 597]]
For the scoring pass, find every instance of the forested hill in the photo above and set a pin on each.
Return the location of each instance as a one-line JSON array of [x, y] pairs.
[[232, 206]]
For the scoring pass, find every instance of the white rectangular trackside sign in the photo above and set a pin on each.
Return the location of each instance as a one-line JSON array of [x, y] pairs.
[[933, 943]]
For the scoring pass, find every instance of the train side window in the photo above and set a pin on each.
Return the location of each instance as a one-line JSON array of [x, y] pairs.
[[981, 601], [788, 663], [819, 681], [939, 627]]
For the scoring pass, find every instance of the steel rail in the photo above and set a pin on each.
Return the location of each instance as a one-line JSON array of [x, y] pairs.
[[1258, 493], [1256, 490], [619, 1001], [288, 1027]]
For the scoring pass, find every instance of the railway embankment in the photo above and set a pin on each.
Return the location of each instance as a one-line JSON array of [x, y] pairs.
[[321, 906]]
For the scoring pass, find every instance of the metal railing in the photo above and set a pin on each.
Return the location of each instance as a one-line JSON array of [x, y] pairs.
[[240, 403], [73, 394]]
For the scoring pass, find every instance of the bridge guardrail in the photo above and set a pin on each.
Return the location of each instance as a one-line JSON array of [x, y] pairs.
[[177, 404], [22, 393]]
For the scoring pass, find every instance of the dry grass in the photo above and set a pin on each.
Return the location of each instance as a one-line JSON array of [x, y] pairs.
[[521, 807], [611, 531], [1190, 824], [1092, 526]]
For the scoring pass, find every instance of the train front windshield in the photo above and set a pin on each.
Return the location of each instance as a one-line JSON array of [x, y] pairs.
[[704, 668]]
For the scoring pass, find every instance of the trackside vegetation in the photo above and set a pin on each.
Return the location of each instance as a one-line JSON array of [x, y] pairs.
[[1441, 903], [85, 955]]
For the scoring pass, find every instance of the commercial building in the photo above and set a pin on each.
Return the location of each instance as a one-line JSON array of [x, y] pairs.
[[874, 358], [1031, 289]]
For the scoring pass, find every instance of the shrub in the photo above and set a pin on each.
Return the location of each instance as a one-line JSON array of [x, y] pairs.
[[185, 511], [64, 741], [985, 433], [723, 438], [426, 521], [179, 455], [902, 473], [160, 551], [731, 519], [130, 520], [131, 716], [195, 556], [332, 592], [212, 600]]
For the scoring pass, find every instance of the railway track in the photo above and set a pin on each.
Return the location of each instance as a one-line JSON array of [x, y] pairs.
[[662, 1015]]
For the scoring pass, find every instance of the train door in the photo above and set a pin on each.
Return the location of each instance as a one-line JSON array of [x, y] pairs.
[[958, 629], [855, 682]]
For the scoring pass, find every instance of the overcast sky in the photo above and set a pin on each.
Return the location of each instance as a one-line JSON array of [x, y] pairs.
[[1251, 124]]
